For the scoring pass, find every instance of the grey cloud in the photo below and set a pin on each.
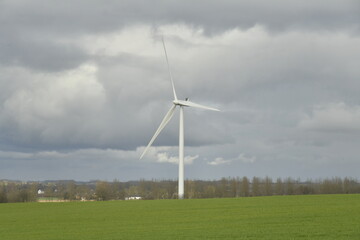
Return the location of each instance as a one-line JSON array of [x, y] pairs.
[[22, 22], [84, 16], [267, 66], [333, 117], [41, 55], [135, 89]]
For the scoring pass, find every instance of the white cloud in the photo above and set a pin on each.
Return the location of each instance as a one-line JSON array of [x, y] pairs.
[[79, 154], [219, 161], [246, 159], [14, 155], [163, 157], [332, 117], [55, 108], [52, 96], [242, 157], [134, 40]]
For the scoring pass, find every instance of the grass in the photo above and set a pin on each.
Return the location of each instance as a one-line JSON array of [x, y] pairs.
[[277, 217]]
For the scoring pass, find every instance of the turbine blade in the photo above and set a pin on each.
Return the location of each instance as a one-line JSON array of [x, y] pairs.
[[168, 66], [192, 104], [164, 122]]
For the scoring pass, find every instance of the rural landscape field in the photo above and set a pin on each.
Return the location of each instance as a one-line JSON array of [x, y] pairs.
[[234, 119], [274, 217]]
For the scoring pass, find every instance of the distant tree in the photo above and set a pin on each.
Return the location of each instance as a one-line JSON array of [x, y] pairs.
[[347, 186], [70, 191], [171, 187], [3, 195], [190, 189], [118, 190], [331, 186], [255, 186], [103, 191], [224, 187], [24, 195], [268, 186], [351, 186], [133, 191], [279, 187], [167, 189], [144, 189], [304, 189], [209, 191], [234, 187], [289, 186], [83, 191], [245, 187], [12, 191], [338, 185], [154, 190]]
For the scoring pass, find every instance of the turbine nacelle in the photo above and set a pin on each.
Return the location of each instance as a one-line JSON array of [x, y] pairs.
[[180, 102], [188, 103]]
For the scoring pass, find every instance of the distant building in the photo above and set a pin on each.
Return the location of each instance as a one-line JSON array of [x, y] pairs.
[[133, 198], [40, 192]]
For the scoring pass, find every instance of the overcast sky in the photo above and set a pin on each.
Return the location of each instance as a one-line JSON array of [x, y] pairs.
[[84, 85]]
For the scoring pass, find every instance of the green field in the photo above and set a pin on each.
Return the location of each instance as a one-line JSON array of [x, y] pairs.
[[277, 217]]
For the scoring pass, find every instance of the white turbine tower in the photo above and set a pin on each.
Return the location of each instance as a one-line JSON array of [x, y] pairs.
[[165, 121]]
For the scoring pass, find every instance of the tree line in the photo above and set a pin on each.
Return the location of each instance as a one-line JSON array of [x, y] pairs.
[[12, 191]]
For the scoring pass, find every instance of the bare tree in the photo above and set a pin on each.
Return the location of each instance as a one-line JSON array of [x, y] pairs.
[[279, 187], [268, 186], [255, 186], [3, 195], [289, 186], [245, 187]]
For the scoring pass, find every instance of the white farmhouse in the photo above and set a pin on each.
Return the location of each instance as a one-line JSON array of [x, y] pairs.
[[40, 192], [133, 198]]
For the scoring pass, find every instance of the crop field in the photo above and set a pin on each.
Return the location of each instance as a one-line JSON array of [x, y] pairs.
[[275, 217]]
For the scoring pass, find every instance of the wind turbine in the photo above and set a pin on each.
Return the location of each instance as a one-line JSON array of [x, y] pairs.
[[181, 104]]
